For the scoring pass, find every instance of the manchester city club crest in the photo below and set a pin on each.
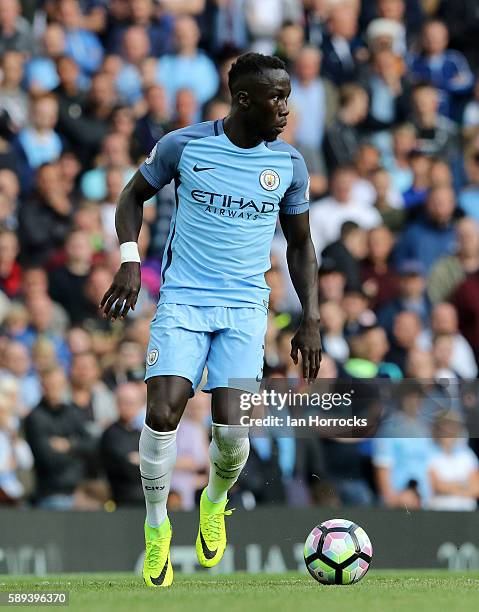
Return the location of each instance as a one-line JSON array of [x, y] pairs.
[[269, 180], [152, 357]]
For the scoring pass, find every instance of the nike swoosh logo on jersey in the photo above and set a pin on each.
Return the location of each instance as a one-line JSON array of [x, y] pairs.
[[197, 169], [161, 578], [209, 554]]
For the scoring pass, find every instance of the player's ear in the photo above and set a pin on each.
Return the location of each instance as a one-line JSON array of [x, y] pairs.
[[243, 98]]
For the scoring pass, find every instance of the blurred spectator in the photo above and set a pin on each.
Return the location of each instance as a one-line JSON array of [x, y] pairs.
[[376, 347], [338, 208], [73, 125], [401, 454], [342, 137], [393, 217], [192, 462], [444, 321], [15, 455], [136, 49], [433, 235], [378, 276], [80, 44], [14, 101], [15, 31], [90, 394], [408, 13], [264, 20], [60, 444], [159, 29], [442, 347], [151, 126], [449, 271], [411, 295], [386, 35], [348, 251], [397, 162], [10, 271], [313, 158], [129, 364], [465, 299], [114, 152], [405, 336], [186, 109], [41, 74], [38, 144], [332, 282], [67, 282], [436, 134], [446, 69], [463, 23], [290, 44], [341, 44], [313, 98], [388, 91], [420, 166], [453, 468], [332, 331], [17, 363], [35, 282], [45, 219], [355, 304], [119, 448], [188, 67], [42, 325], [470, 118], [367, 163], [468, 196]]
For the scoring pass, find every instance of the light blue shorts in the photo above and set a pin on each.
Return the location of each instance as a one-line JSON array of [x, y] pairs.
[[228, 341]]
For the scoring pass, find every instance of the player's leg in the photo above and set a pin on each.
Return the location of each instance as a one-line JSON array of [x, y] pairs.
[[176, 356], [235, 359], [166, 400]]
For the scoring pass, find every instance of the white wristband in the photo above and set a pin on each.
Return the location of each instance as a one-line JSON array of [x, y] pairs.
[[129, 252]]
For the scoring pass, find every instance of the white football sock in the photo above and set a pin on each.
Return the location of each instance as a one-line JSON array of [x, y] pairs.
[[157, 460], [229, 450]]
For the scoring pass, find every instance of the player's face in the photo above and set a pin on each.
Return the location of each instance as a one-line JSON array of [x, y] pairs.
[[269, 104]]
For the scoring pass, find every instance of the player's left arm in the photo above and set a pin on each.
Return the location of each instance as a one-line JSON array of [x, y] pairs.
[[303, 266], [303, 269]]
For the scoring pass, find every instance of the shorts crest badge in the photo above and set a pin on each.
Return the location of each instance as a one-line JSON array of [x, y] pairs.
[[152, 357]]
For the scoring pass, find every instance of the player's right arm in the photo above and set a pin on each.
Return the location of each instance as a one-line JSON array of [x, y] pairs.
[[129, 216], [158, 169]]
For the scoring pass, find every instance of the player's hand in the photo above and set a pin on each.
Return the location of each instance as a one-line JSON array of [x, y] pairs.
[[307, 341], [123, 290]]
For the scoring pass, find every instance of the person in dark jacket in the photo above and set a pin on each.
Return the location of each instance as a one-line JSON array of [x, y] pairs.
[[60, 444], [348, 251], [119, 447], [343, 137], [46, 218]]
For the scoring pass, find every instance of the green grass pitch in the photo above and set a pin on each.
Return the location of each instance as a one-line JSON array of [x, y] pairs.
[[380, 591]]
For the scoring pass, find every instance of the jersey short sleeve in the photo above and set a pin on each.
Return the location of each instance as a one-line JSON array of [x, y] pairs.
[[161, 165], [296, 198]]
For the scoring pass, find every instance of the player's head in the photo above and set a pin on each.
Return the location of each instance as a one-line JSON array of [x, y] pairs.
[[260, 87]]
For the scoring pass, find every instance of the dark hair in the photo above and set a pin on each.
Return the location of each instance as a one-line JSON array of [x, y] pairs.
[[252, 63], [347, 227]]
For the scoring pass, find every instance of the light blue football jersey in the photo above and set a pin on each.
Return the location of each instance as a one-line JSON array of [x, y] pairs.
[[227, 204]]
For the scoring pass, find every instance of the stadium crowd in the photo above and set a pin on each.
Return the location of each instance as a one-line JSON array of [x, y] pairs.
[[385, 110]]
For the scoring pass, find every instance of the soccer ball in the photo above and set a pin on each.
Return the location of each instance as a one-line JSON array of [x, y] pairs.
[[338, 552]]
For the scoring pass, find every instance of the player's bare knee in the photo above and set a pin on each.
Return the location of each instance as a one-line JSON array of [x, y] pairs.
[[162, 416]]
